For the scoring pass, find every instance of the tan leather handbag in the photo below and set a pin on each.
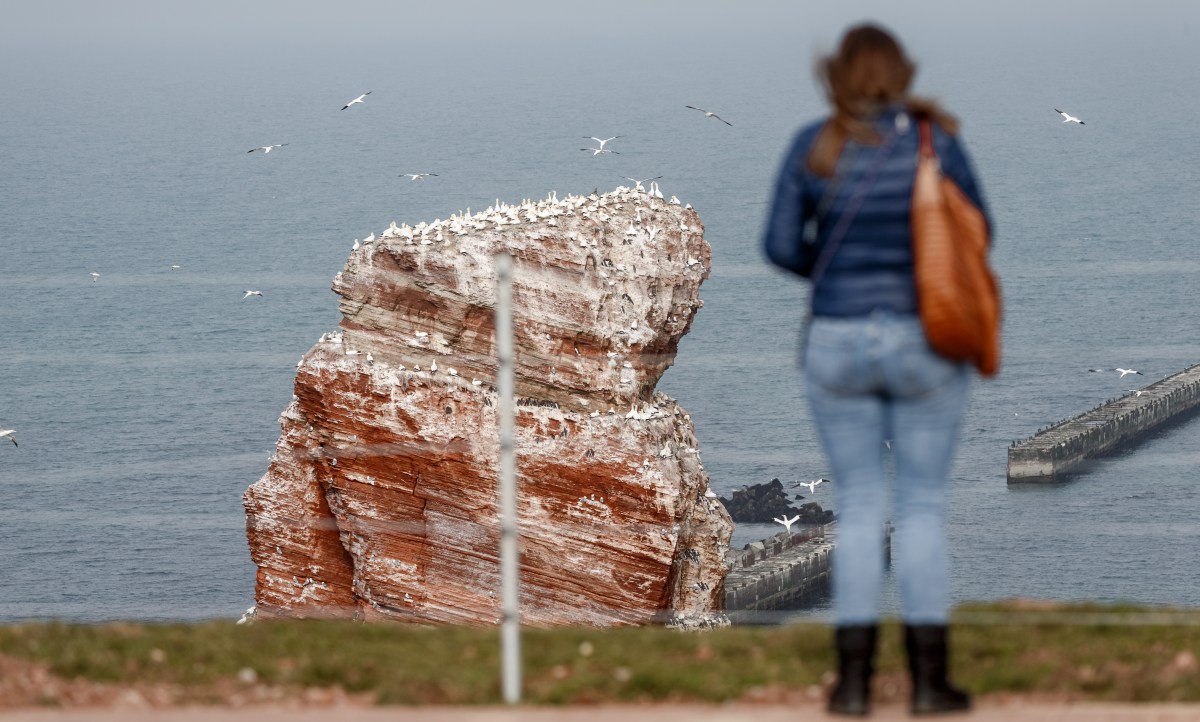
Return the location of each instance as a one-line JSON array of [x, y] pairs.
[[958, 296]]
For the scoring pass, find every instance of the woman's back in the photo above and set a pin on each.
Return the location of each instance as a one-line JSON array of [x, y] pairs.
[[872, 267]]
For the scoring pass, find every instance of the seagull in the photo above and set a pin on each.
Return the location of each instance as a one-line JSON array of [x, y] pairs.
[[267, 148], [637, 184], [9, 433], [787, 522], [1068, 118], [419, 176], [812, 485], [359, 99], [599, 140], [251, 293], [94, 276], [601, 150], [709, 114], [174, 266], [1129, 371]]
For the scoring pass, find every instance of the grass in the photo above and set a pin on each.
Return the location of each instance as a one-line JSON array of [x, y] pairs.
[[1079, 652]]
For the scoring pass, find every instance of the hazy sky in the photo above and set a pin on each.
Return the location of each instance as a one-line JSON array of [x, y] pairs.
[[91, 24], [695, 47]]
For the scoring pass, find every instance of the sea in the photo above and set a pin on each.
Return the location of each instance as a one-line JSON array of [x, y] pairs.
[[146, 399]]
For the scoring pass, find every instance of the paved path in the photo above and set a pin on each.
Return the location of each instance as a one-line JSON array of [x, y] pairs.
[[986, 712]]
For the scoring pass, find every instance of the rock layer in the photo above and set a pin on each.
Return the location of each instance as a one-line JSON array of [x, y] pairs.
[[381, 499]]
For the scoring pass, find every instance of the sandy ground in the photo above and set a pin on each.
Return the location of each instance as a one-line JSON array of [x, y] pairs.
[[986, 712]]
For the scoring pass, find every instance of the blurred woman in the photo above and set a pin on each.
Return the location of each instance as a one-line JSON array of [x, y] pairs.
[[841, 218]]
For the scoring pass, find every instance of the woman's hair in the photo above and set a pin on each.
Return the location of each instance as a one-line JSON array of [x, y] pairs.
[[868, 72]]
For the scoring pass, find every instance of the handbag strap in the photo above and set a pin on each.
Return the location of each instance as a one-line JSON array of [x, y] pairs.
[[852, 206], [834, 189], [926, 147]]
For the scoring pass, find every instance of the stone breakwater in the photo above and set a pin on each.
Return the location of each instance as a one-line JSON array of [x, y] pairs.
[[776, 574], [770, 578], [1062, 447], [380, 501]]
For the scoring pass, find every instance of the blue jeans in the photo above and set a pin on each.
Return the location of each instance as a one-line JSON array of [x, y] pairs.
[[870, 379]]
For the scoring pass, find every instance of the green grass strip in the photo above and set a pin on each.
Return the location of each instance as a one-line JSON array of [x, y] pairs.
[[1081, 652]]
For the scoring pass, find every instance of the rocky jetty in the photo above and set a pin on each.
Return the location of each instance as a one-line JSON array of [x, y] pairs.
[[381, 502], [761, 503]]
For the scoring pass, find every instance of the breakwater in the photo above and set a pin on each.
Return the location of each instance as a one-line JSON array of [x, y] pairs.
[[1058, 449], [781, 572]]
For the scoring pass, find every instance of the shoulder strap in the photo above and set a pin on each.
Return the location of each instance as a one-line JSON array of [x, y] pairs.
[[926, 130], [834, 189], [843, 223]]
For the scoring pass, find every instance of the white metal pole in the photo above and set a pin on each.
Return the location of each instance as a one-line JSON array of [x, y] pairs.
[[510, 630]]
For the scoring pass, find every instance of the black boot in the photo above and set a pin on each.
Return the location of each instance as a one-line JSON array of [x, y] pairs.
[[931, 691], [856, 653]]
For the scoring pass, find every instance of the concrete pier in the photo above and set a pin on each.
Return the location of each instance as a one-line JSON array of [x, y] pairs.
[[776, 573], [1060, 448], [780, 573]]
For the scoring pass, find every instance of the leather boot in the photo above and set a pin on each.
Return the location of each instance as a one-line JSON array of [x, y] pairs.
[[932, 692], [856, 654]]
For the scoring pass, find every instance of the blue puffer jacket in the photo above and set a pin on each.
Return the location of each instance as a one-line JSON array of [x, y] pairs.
[[873, 266]]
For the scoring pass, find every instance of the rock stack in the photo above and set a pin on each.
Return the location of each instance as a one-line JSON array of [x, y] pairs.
[[381, 500]]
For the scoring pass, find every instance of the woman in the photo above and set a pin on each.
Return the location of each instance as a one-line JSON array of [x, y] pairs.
[[841, 217]]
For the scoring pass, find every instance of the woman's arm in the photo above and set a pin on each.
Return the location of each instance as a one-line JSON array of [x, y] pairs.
[[791, 207]]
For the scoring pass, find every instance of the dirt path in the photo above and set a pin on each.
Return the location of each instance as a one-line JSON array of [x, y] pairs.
[[988, 711]]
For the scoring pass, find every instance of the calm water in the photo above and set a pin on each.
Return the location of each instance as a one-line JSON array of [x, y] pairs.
[[147, 401]]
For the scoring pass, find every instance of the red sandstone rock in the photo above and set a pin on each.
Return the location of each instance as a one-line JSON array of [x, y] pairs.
[[381, 499]]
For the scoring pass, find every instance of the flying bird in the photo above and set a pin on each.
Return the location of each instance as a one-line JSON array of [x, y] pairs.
[[419, 176], [638, 183], [601, 150], [251, 293], [1068, 118], [599, 140], [709, 114], [9, 433], [359, 99], [94, 276], [267, 148], [812, 485], [787, 522], [1128, 371]]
